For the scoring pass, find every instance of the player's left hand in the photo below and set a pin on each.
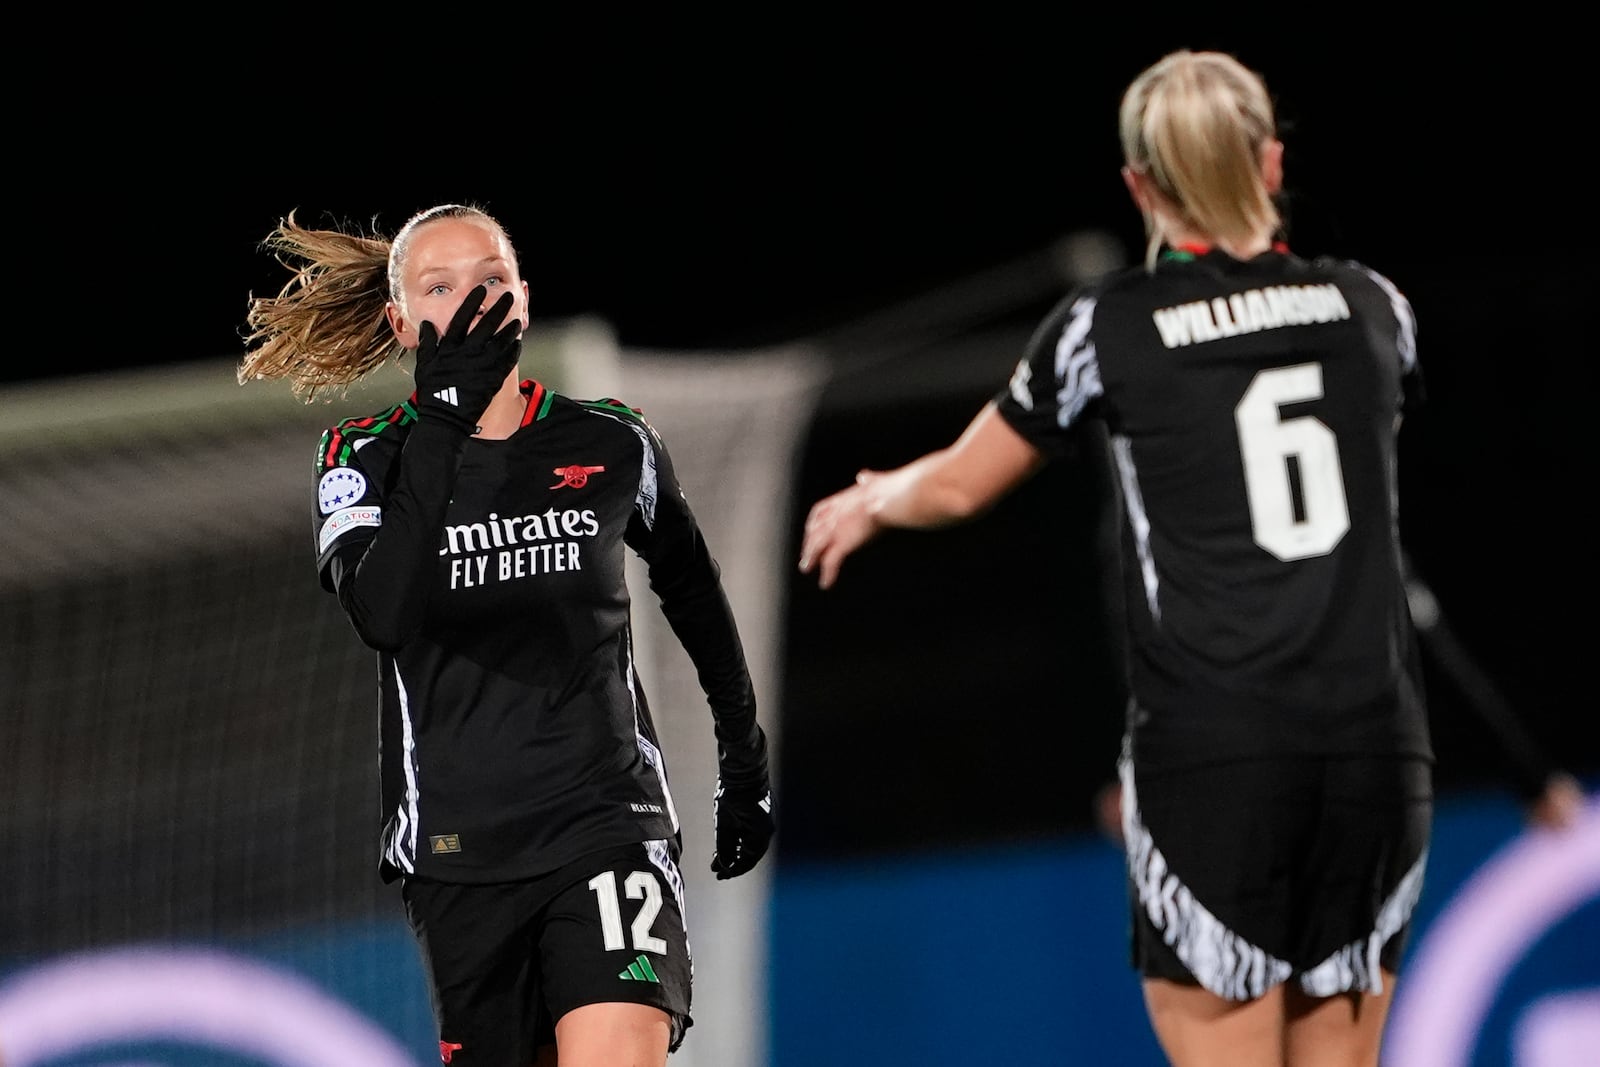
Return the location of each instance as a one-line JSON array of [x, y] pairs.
[[744, 828]]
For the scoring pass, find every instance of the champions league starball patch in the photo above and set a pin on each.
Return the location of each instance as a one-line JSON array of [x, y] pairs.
[[340, 488]]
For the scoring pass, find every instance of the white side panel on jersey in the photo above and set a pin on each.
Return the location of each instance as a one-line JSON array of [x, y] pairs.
[[400, 838], [651, 754], [1138, 521], [649, 483]]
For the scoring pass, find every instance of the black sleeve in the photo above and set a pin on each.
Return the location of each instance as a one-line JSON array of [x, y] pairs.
[[1413, 392], [1031, 399], [686, 578], [383, 583], [1528, 766]]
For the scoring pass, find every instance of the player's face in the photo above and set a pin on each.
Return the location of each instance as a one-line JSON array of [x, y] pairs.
[[447, 258]]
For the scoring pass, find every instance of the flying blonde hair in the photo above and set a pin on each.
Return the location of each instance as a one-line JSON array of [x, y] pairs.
[[327, 328]]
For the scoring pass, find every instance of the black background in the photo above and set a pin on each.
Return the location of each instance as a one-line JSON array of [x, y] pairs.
[[712, 183], [703, 182]]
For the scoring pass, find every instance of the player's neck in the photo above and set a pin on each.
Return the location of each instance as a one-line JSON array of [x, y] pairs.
[[1199, 243], [504, 414]]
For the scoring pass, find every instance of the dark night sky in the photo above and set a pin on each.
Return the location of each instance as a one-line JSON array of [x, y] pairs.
[[718, 185]]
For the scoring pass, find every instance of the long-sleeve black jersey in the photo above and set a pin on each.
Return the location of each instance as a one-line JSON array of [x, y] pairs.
[[1251, 409], [514, 734]]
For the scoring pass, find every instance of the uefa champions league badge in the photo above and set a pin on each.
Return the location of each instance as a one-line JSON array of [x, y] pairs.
[[340, 488]]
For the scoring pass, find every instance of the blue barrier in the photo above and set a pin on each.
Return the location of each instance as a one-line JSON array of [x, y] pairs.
[[1005, 955]]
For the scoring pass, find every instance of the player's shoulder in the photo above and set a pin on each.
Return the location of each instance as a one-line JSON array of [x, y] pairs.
[[620, 412], [1369, 291], [1354, 273], [610, 405], [385, 429], [1077, 307], [1131, 278], [545, 402], [1109, 284]]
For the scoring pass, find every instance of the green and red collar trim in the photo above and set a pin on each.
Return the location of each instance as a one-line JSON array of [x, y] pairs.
[[539, 401], [1188, 251]]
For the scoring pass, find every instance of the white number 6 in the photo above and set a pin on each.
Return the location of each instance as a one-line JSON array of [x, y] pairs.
[[1273, 447]]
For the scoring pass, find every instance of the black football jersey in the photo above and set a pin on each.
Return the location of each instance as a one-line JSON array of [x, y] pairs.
[[514, 734], [1250, 410]]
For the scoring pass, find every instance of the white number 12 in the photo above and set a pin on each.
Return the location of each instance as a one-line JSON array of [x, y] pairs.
[[641, 886]]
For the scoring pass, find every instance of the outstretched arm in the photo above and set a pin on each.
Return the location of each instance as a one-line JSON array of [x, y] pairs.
[[942, 488]]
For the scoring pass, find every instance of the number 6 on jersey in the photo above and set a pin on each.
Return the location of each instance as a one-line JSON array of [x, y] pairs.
[[1273, 447]]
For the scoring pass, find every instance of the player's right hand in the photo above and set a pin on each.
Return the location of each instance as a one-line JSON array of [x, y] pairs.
[[459, 373]]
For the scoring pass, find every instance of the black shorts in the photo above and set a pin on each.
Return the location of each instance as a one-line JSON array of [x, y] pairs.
[[506, 960], [1246, 874]]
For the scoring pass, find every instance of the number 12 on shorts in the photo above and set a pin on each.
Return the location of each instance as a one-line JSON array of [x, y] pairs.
[[640, 885]]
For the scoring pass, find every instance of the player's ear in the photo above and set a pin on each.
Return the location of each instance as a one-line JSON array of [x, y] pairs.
[[404, 331], [1144, 190], [1272, 165], [1146, 196], [1134, 181]]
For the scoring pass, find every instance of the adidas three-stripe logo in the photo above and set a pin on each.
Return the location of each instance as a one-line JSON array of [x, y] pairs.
[[640, 971], [448, 396]]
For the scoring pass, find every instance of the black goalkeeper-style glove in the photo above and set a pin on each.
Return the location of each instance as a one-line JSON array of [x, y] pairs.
[[741, 810], [744, 826], [458, 374]]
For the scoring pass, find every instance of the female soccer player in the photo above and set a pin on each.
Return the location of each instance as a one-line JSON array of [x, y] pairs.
[[1277, 766], [475, 533]]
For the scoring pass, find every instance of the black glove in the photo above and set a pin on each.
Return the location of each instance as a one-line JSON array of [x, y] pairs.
[[744, 826], [458, 374]]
